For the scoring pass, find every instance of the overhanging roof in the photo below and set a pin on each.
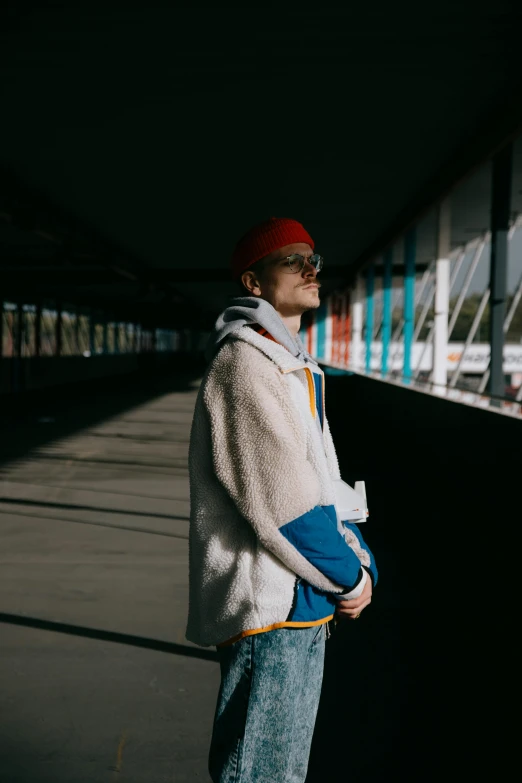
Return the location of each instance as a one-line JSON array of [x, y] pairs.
[[141, 141]]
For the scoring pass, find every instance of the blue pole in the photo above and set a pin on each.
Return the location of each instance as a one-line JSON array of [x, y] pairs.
[[370, 285], [386, 309], [409, 301]]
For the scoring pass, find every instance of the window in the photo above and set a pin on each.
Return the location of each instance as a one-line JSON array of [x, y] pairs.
[[9, 328], [48, 331]]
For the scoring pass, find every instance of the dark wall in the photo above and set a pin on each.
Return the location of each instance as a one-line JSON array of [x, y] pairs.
[[25, 375], [412, 688]]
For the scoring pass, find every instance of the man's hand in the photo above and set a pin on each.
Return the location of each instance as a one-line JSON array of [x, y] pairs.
[[352, 609]]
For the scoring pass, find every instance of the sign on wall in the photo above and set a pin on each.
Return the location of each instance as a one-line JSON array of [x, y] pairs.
[[476, 359]]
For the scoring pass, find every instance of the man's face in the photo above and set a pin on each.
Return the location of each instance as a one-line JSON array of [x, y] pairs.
[[289, 293]]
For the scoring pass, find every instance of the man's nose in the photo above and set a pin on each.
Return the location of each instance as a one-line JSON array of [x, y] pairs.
[[309, 269]]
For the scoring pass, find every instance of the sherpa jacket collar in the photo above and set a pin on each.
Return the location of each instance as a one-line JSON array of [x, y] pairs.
[[282, 358]]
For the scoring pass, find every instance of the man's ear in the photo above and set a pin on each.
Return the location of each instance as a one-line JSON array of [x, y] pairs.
[[251, 283]]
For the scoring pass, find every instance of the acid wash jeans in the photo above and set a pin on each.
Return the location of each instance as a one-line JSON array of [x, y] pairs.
[[267, 706]]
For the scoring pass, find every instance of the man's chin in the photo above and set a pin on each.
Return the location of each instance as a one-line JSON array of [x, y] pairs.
[[313, 301], [313, 304]]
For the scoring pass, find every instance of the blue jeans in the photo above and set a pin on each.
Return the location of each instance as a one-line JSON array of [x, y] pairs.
[[267, 706]]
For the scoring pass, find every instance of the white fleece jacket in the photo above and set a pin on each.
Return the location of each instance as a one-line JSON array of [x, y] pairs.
[[257, 462]]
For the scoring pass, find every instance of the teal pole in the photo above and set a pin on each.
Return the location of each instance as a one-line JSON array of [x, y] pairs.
[[386, 309], [370, 286], [409, 301]]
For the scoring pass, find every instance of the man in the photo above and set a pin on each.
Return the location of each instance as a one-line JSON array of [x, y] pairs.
[[269, 567]]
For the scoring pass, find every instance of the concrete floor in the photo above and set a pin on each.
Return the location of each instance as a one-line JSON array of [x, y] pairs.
[[97, 682], [93, 530]]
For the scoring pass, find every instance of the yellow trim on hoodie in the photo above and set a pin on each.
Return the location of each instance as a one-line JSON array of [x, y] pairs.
[[274, 627], [311, 390]]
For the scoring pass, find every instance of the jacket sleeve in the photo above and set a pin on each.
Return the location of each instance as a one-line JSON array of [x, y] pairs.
[[371, 567], [260, 458]]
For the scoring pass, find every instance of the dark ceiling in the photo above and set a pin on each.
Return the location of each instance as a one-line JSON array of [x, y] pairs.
[[138, 141]]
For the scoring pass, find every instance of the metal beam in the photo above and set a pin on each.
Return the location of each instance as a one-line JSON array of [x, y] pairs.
[[30, 272], [469, 339], [420, 323], [467, 281], [509, 317], [500, 214]]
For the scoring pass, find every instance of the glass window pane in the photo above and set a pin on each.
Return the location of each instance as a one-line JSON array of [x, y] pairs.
[[69, 336], [83, 329], [98, 338], [110, 337], [48, 332], [28, 344], [122, 337], [9, 326]]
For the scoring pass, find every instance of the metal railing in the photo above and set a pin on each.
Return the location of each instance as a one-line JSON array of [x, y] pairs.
[[508, 406]]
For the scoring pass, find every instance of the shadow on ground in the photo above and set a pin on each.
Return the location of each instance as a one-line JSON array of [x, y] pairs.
[[108, 636]]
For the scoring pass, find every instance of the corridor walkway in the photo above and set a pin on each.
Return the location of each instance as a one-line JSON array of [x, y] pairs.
[[97, 682], [93, 542]]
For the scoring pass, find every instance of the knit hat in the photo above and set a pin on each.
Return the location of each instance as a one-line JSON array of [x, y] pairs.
[[263, 239]]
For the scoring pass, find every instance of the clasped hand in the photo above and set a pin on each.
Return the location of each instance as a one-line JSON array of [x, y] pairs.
[[352, 609]]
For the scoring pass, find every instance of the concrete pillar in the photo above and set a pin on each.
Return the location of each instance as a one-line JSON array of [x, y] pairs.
[[442, 293]]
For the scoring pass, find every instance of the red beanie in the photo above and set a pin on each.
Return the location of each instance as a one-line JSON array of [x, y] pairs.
[[263, 239]]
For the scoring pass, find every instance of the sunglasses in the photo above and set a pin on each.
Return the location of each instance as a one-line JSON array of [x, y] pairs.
[[295, 263]]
